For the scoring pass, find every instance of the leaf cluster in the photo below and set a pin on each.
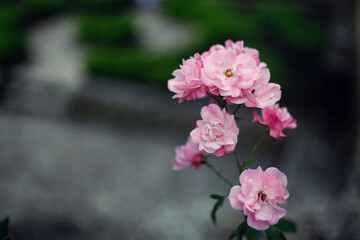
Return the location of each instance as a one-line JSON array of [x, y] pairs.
[[275, 232], [219, 202]]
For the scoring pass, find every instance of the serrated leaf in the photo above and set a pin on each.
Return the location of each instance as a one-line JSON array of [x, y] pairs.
[[273, 233], [253, 234], [216, 196], [217, 205], [240, 231], [286, 225], [4, 228]]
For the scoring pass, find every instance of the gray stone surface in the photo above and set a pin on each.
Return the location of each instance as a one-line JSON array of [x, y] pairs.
[[57, 170], [56, 58]]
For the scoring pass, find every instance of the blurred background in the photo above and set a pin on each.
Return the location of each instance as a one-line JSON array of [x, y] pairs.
[[88, 127]]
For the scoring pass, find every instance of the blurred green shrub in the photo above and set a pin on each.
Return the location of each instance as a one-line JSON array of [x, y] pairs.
[[271, 27], [289, 24], [12, 46], [34, 8], [115, 29], [103, 5], [112, 61], [12, 42], [275, 28], [132, 64], [10, 15]]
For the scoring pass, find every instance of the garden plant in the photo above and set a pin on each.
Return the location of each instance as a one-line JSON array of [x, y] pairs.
[[231, 76]]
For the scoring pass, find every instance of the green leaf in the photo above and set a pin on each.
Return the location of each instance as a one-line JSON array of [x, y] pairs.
[[216, 196], [242, 229], [273, 233], [286, 225], [6, 238], [4, 228], [217, 205], [253, 234]]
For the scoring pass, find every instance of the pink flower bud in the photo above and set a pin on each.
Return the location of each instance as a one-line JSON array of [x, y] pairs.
[[277, 119], [187, 155]]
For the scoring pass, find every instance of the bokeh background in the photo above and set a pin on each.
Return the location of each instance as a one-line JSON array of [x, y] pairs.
[[88, 127]]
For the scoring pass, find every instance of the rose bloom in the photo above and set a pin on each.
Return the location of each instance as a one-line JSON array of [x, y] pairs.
[[212, 49], [216, 132], [187, 83], [277, 119], [261, 94], [187, 155], [258, 196], [239, 48], [226, 73]]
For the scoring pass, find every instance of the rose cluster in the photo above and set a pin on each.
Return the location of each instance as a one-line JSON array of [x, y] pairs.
[[233, 74]]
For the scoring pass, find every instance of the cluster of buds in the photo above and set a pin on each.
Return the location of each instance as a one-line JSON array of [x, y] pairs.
[[234, 75]]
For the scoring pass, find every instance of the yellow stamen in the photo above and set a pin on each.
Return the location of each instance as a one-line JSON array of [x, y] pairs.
[[228, 73]]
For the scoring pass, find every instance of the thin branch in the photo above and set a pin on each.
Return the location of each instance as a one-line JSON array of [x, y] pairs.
[[217, 173], [258, 144], [219, 101], [236, 109], [239, 165]]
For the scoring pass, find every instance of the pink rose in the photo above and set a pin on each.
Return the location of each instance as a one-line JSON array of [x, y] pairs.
[[239, 48], [212, 49], [277, 119], [228, 72], [187, 83], [217, 132], [258, 196], [262, 94], [187, 155]]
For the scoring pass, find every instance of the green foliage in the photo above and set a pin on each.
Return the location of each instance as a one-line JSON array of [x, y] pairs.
[[12, 43], [105, 29], [216, 196], [118, 62], [215, 21], [286, 24], [239, 231], [104, 5], [244, 230], [290, 24], [219, 202], [272, 233], [10, 16], [132, 63], [286, 225], [276, 63], [34, 6], [253, 234]]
